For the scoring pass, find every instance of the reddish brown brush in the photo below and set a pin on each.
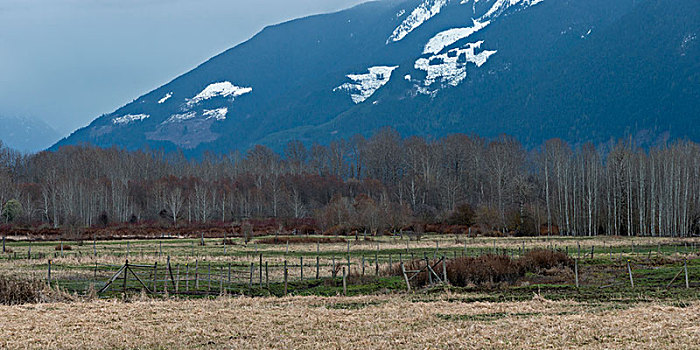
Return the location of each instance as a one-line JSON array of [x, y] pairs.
[[542, 259], [62, 247], [486, 269], [483, 270]]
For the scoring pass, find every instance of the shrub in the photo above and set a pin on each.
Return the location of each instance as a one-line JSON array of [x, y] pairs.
[[543, 259], [15, 291], [65, 247], [486, 269], [11, 210], [464, 214]]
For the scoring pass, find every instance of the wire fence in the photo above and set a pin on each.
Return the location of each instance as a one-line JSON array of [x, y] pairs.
[[133, 267]]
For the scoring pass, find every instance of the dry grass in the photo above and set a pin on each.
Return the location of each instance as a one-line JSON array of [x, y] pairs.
[[388, 322], [15, 290]]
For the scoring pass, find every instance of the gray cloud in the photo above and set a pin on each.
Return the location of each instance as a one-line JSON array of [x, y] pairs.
[[68, 61]]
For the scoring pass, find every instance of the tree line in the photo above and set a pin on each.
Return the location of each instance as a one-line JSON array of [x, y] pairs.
[[381, 183]]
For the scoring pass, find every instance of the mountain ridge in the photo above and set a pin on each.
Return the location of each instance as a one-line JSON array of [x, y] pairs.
[[484, 66]]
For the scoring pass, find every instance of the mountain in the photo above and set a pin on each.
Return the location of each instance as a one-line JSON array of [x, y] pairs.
[[26, 134], [536, 69]]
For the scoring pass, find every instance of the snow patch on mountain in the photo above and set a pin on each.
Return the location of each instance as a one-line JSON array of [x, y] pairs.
[[500, 6], [688, 41], [451, 67], [223, 89], [425, 11], [165, 98], [180, 117], [451, 36], [217, 114], [365, 85], [129, 118]]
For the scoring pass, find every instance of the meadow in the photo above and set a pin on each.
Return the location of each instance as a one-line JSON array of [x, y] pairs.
[[351, 292]]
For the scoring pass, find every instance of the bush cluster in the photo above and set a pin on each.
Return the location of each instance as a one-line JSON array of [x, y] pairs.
[[487, 269]]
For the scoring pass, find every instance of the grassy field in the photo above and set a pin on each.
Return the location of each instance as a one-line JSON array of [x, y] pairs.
[[314, 264], [213, 308], [443, 321], [541, 309]]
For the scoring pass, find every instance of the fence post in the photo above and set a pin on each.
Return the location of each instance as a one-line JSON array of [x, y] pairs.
[[155, 277], [444, 270], [333, 271], [592, 250], [403, 271], [267, 277], [363, 265], [49, 276], [685, 267], [124, 271], [260, 267], [3, 245], [301, 267], [169, 274], [196, 275], [29, 252], [187, 277], [376, 265], [317, 267], [345, 282], [221, 280], [427, 270], [285, 277], [229, 272], [209, 276], [629, 269], [250, 281], [576, 271], [177, 279]]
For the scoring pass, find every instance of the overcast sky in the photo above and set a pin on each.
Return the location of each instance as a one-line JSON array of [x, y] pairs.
[[69, 61]]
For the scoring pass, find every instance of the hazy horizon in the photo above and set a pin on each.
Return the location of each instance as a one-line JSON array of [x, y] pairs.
[[68, 61]]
